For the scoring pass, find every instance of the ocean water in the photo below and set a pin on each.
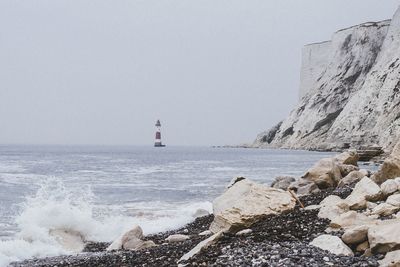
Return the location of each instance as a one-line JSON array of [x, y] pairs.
[[102, 191]]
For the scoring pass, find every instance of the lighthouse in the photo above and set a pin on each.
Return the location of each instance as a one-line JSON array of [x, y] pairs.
[[158, 142]]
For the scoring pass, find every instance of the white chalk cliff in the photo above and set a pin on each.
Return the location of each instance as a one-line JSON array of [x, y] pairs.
[[349, 92]]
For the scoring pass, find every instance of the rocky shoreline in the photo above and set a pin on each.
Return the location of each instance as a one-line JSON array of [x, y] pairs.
[[336, 214], [279, 240]]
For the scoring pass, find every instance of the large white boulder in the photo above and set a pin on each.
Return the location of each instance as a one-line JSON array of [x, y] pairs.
[[385, 236], [246, 202], [331, 207], [325, 173], [366, 189], [333, 244]]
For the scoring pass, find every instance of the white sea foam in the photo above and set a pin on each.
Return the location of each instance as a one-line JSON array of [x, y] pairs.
[[56, 207]]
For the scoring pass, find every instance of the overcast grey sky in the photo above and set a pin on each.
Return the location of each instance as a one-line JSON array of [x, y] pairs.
[[214, 72]]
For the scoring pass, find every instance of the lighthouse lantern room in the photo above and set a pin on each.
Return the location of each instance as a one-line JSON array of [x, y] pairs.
[[158, 142]]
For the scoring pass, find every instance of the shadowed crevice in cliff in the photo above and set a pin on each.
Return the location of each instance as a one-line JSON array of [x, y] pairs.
[[327, 121]]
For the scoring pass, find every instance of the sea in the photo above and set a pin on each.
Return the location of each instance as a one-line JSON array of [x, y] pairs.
[[102, 191]]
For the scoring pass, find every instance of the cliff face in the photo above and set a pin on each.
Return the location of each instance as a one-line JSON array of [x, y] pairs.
[[349, 92]]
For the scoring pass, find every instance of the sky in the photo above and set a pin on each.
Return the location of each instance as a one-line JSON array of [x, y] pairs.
[[214, 72]]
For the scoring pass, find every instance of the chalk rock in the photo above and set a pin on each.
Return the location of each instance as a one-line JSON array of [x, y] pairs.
[[282, 182], [389, 187], [202, 245], [385, 209], [385, 236], [177, 238], [247, 202], [303, 187], [331, 207], [131, 240], [355, 235], [349, 158], [313, 207], [325, 173], [346, 169], [333, 244], [351, 218], [364, 190], [390, 168], [351, 178], [392, 259], [394, 200], [70, 240], [206, 232], [244, 232]]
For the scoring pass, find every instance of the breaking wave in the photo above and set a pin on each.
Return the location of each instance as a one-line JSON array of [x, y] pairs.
[[55, 207]]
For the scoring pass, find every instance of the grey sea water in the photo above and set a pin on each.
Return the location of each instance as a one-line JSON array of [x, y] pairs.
[[92, 188]]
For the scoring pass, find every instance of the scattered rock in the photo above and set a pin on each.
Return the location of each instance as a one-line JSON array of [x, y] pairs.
[[349, 158], [349, 219], [355, 235], [247, 202], [282, 182], [312, 207], [352, 178], [394, 200], [385, 236], [385, 209], [325, 173], [131, 240], [331, 207], [390, 168], [206, 232], [364, 190], [333, 244], [347, 169], [177, 238], [244, 232], [389, 187]]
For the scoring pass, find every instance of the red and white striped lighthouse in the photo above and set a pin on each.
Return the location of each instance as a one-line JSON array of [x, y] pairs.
[[158, 142]]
